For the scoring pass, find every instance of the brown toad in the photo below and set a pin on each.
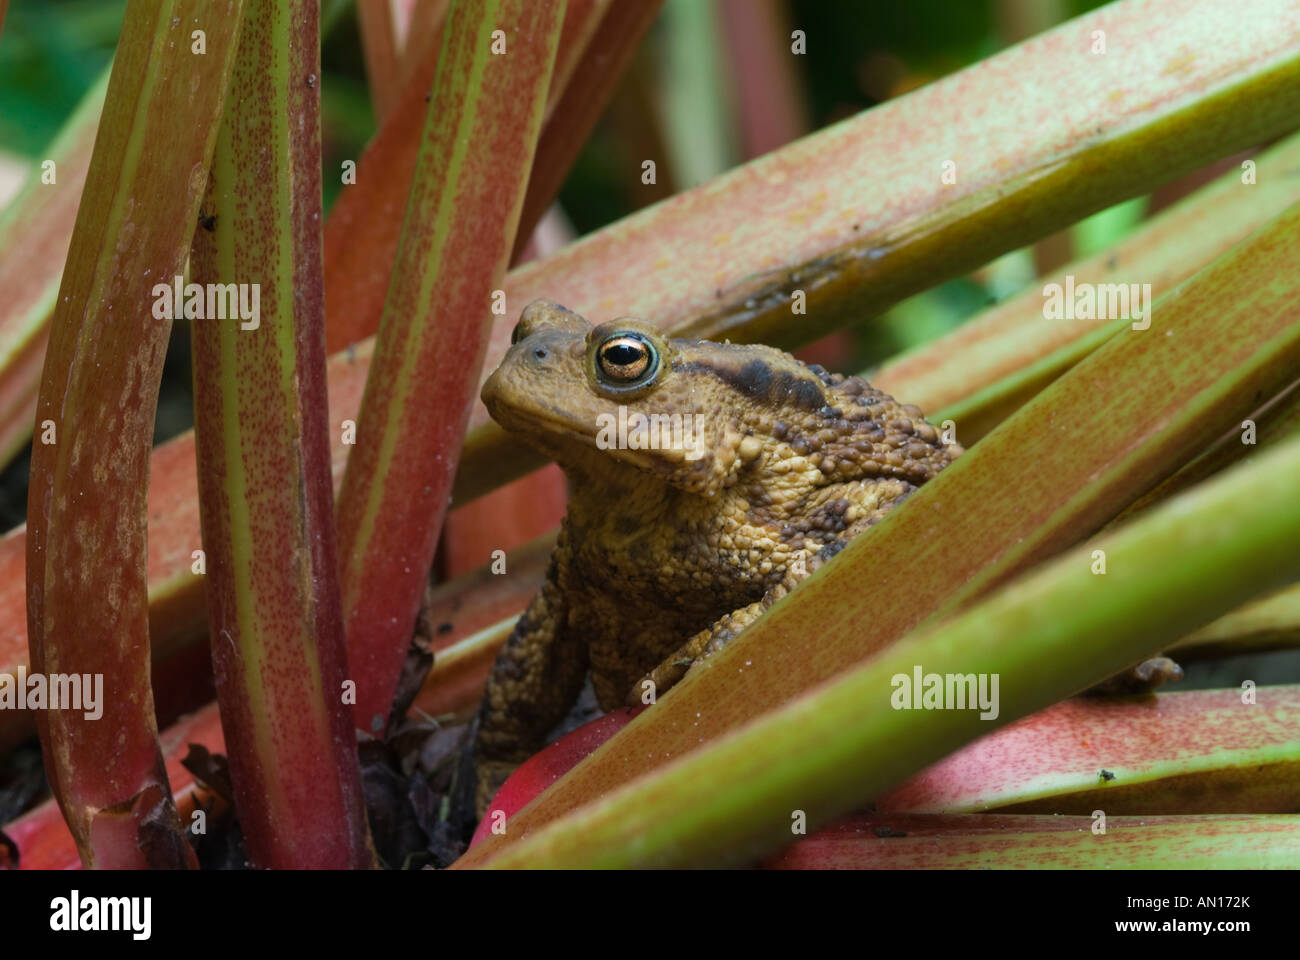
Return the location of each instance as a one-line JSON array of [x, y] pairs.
[[706, 479]]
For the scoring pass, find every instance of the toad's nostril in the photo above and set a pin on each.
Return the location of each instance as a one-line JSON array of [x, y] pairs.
[[540, 353]]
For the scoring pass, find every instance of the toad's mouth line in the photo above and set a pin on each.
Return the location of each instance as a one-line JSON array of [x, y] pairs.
[[551, 427], [549, 420]]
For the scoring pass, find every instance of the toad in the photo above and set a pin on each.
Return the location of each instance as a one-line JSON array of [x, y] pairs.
[[706, 479]]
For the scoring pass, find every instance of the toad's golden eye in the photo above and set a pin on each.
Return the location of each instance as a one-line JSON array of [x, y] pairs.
[[626, 359]]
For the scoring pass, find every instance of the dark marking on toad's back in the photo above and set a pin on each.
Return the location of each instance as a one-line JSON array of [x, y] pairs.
[[754, 379], [758, 381]]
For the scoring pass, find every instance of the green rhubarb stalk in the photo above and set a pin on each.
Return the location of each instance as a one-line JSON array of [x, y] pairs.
[[1265, 624], [1277, 421]]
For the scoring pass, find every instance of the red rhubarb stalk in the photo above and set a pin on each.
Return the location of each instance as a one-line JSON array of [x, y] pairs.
[[261, 428], [469, 182], [87, 598]]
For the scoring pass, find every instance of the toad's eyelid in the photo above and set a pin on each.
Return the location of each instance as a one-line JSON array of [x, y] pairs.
[[630, 343], [614, 335]]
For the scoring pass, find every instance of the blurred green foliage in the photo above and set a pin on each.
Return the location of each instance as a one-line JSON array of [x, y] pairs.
[[51, 51]]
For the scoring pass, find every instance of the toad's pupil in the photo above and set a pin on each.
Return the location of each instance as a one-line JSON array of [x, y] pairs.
[[626, 358], [624, 354]]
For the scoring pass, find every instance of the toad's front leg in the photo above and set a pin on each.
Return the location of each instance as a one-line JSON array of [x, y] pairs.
[[536, 678], [709, 641]]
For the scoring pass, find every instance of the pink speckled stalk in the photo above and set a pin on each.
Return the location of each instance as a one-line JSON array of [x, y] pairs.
[[469, 183], [177, 612], [1006, 842], [1204, 751], [86, 562], [261, 419]]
